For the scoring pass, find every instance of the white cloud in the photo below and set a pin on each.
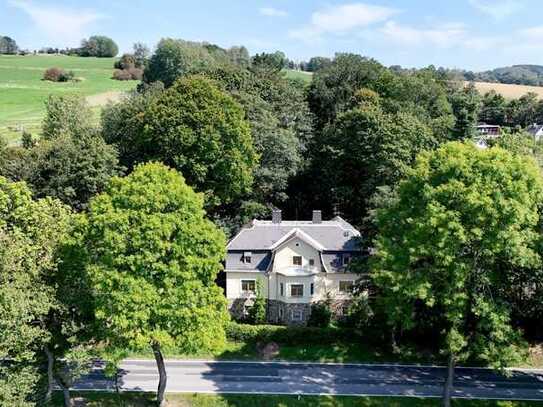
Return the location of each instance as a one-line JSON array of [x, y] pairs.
[[272, 12], [342, 19], [532, 33], [56, 22], [445, 36], [499, 9]]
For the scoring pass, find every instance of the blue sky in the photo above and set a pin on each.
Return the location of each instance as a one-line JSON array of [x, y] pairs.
[[471, 34]]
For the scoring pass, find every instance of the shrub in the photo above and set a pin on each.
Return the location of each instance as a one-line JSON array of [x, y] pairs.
[[288, 335], [136, 73], [321, 315], [128, 74], [126, 61], [122, 75], [58, 75]]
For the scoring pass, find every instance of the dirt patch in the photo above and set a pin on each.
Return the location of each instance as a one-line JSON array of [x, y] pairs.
[[102, 99]]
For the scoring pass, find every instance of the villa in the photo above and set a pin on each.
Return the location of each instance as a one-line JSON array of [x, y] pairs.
[[294, 264]]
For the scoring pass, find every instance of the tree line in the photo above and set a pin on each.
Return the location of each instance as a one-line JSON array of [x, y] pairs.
[[125, 221]]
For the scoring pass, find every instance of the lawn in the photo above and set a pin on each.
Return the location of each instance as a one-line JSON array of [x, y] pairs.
[[304, 76], [23, 92], [340, 352], [238, 400]]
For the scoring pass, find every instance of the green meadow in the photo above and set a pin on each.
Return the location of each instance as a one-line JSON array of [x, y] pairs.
[[23, 92]]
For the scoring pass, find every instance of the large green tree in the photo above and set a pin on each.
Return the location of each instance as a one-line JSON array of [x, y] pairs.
[[73, 169], [30, 234], [458, 224], [201, 131], [98, 46], [67, 115], [466, 104], [152, 258], [365, 148]]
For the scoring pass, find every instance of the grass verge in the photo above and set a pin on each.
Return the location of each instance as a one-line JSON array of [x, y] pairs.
[[239, 400]]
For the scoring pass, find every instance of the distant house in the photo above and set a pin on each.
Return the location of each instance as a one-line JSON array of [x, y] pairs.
[[484, 129], [486, 132], [296, 263], [536, 130]]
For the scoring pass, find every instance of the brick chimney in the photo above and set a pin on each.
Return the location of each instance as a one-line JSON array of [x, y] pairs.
[[276, 216]]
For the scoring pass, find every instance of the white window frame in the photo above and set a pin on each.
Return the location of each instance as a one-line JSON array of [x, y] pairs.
[[247, 291], [344, 291], [294, 315], [297, 257], [298, 285]]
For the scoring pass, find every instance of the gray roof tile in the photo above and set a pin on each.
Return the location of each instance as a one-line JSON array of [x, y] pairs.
[[335, 234]]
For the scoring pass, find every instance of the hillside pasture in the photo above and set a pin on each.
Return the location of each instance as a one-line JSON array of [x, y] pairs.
[[23, 92], [508, 91]]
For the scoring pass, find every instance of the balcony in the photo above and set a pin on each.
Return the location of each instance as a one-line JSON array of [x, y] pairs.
[[298, 271]]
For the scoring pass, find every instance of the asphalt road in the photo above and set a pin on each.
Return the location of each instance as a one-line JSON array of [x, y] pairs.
[[314, 378]]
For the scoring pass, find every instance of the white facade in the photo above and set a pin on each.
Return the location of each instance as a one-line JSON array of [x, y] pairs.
[[295, 263]]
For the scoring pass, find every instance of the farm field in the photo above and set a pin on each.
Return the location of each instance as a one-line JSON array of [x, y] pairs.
[[508, 91], [23, 92]]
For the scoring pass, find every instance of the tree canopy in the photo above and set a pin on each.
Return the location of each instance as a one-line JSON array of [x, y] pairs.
[[460, 221], [30, 233], [196, 128], [98, 46], [152, 258]]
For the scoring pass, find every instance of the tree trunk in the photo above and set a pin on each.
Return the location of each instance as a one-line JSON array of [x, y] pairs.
[[50, 377], [161, 374], [447, 389], [66, 393]]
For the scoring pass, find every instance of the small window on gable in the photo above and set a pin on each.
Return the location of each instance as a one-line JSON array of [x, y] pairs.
[[297, 260], [311, 262], [247, 257]]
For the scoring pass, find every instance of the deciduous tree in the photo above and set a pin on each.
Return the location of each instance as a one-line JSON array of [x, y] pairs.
[[152, 258], [459, 222]]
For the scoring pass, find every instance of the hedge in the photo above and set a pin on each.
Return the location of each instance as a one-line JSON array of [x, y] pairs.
[[288, 335]]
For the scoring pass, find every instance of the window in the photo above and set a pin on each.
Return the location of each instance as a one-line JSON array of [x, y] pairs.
[[248, 286], [247, 256], [311, 262], [346, 286], [296, 290], [346, 259], [312, 288], [281, 313], [281, 289], [297, 315], [297, 260]]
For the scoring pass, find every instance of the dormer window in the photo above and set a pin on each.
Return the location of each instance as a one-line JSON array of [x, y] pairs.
[[247, 257]]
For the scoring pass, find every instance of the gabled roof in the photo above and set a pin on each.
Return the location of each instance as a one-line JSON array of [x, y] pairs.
[[300, 234], [534, 129], [332, 235]]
